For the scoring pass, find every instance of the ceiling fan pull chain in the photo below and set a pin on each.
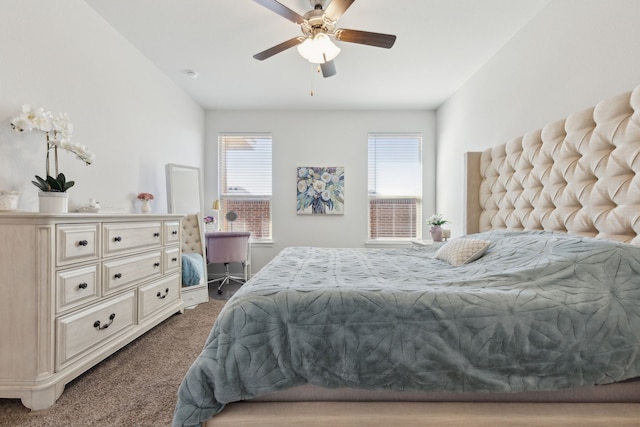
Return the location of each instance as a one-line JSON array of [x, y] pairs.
[[315, 68]]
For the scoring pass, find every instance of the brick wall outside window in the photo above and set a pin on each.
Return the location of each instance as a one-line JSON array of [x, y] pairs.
[[253, 215], [393, 218]]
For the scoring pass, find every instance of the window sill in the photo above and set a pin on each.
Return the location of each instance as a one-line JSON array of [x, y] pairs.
[[262, 243], [387, 243]]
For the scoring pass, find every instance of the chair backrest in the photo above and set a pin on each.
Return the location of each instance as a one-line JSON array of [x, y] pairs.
[[191, 234], [227, 246]]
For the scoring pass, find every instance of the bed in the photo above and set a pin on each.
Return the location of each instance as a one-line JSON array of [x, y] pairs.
[[540, 301]]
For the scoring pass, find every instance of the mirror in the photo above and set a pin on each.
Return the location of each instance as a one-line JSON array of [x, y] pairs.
[[184, 189], [185, 196]]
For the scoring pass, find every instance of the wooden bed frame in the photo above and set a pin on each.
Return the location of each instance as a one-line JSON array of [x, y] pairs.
[[579, 175]]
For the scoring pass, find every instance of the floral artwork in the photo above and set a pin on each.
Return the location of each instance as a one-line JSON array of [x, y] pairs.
[[320, 190]]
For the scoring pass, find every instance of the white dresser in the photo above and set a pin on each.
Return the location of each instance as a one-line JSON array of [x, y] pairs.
[[75, 288]]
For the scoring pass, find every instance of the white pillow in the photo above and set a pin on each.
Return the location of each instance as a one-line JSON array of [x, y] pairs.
[[462, 251]]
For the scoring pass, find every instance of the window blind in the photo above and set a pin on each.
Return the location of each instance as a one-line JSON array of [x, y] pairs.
[[395, 185], [395, 165], [245, 165], [245, 182]]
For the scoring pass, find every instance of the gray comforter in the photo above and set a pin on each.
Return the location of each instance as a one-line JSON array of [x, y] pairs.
[[540, 311]]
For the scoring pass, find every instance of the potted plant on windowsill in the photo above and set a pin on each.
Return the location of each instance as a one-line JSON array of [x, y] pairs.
[[436, 221], [53, 196]]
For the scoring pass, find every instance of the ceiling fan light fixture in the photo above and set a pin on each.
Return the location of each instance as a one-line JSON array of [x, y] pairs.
[[318, 49]]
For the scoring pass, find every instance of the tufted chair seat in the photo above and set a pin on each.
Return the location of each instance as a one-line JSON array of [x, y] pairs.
[[191, 233], [193, 270]]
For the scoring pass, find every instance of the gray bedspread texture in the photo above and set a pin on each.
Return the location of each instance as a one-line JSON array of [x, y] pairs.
[[539, 311]]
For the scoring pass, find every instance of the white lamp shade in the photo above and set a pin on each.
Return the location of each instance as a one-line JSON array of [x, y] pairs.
[[319, 49]]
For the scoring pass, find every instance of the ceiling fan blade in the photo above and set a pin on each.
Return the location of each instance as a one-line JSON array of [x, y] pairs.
[[337, 8], [365, 37], [281, 10], [328, 69], [278, 48]]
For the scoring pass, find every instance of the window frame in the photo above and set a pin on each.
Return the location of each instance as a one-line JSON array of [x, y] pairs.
[[266, 233], [418, 138]]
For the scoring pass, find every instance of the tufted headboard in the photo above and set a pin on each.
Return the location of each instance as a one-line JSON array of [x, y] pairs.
[[578, 175]]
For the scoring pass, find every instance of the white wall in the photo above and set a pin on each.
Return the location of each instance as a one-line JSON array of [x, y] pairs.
[[61, 55], [320, 138], [572, 55]]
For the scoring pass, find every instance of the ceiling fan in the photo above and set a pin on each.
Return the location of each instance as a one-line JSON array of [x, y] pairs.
[[318, 26]]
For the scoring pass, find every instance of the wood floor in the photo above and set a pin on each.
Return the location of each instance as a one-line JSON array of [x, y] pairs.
[[396, 414]]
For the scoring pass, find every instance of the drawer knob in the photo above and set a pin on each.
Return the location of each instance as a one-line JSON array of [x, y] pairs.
[[83, 243], [161, 296], [174, 232], [117, 275], [117, 239], [98, 326], [174, 259], [156, 234], [156, 264], [83, 286]]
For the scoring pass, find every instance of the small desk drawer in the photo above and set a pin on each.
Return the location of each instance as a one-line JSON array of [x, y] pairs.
[[171, 259], [156, 295], [171, 232], [85, 329], [124, 272], [77, 243], [76, 286], [129, 237]]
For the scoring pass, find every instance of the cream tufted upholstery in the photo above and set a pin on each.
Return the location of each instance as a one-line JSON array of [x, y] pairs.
[[191, 235], [578, 175]]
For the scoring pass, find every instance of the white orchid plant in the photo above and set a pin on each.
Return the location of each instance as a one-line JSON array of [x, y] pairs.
[[58, 130], [436, 220]]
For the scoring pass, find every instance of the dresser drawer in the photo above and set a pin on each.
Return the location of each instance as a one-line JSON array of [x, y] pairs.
[[171, 259], [157, 295], [76, 286], [130, 237], [76, 243], [171, 232], [123, 272], [86, 329]]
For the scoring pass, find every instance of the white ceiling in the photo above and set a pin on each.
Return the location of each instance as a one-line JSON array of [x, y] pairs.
[[440, 44]]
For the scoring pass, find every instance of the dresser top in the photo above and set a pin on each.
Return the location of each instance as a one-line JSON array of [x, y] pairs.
[[46, 218]]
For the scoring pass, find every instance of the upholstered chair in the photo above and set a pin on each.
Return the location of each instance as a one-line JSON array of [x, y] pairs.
[[225, 247]]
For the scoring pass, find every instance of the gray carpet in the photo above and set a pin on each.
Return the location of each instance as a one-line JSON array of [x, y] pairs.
[[227, 291], [136, 386]]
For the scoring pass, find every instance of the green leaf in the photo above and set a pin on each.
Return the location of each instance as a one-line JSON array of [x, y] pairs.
[[55, 184], [51, 184], [42, 184]]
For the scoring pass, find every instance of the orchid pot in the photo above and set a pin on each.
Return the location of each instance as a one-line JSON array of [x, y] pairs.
[[58, 130]]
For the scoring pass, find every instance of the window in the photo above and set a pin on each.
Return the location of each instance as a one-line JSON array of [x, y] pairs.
[[395, 186], [245, 183]]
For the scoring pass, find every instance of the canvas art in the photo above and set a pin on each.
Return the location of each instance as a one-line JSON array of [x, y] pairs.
[[320, 191]]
